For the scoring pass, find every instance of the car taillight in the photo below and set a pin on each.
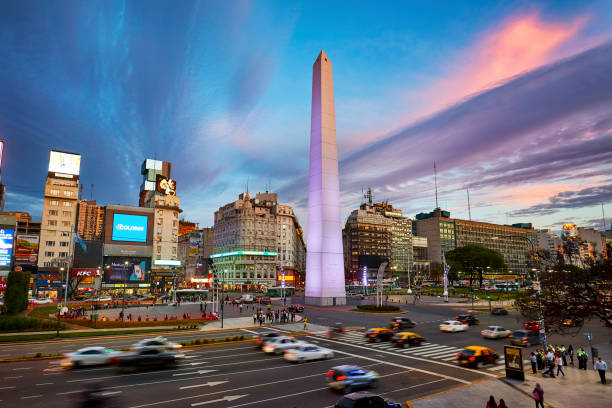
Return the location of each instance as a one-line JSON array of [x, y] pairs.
[[458, 354], [524, 338], [482, 332], [113, 360], [472, 358], [65, 356], [258, 338], [329, 373], [510, 336], [341, 378]]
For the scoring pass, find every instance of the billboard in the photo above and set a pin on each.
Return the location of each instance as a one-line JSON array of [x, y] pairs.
[[130, 228], [1, 151], [6, 246], [194, 245], [87, 272], [66, 163], [165, 185], [26, 249], [134, 271]]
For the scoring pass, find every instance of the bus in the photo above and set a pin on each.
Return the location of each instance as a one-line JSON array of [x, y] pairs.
[[510, 286], [194, 295], [278, 291]]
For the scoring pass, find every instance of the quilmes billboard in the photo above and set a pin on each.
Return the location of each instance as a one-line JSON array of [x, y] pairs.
[[6, 247], [130, 228], [26, 249]]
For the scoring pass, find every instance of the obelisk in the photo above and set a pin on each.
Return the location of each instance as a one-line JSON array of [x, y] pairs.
[[324, 258]]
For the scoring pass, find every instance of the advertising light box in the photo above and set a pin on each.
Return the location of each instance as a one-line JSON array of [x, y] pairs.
[[26, 249], [130, 228], [65, 163], [6, 246]]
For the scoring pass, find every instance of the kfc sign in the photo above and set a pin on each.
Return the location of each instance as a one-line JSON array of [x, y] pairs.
[[165, 185], [2, 286], [86, 272]]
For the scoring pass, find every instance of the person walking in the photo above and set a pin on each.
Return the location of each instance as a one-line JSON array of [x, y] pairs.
[[538, 395], [305, 323], [550, 364], [559, 362], [601, 367], [254, 319], [491, 403], [583, 357], [563, 354], [240, 307], [570, 353], [540, 359], [502, 403], [533, 360]]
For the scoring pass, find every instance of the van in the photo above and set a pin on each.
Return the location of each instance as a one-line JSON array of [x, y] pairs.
[[524, 338]]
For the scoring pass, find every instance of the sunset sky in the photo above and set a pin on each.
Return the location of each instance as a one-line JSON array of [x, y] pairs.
[[512, 99]]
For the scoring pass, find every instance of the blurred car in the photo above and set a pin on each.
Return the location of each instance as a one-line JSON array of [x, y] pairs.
[[468, 319], [347, 377], [147, 359], [476, 356], [104, 299], [407, 338], [401, 323], [264, 300], [524, 338], [453, 326], [364, 399], [156, 343], [577, 321], [499, 311], [296, 308], [495, 332], [307, 352], [335, 330], [89, 356], [237, 300], [279, 344], [378, 334], [261, 340], [42, 301]]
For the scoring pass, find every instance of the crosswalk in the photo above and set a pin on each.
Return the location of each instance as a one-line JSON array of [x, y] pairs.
[[426, 350]]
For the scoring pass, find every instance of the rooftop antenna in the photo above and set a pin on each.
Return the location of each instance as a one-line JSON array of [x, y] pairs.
[[247, 186], [80, 191], [603, 217], [436, 182], [368, 196], [91, 193], [469, 207]]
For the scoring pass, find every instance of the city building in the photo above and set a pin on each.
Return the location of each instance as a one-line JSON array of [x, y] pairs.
[[421, 261], [90, 220], [190, 249], [254, 237], [444, 233], [597, 240], [150, 169], [186, 227]]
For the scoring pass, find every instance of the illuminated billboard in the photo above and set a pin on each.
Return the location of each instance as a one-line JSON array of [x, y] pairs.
[[1, 151], [165, 185], [130, 228], [135, 270], [26, 249], [65, 163], [6, 246]]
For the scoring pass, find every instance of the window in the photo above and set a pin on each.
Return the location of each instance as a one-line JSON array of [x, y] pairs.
[[66, 223], [52, 212], [67, 204], [68, 193], [63, 244], [52, 223], [49, 253], [63, 254], [54, 191], [67, 213], [54, 202], [50, 243], [65, 234]]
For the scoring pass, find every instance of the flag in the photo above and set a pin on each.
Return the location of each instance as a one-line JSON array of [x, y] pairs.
[[80, 241]]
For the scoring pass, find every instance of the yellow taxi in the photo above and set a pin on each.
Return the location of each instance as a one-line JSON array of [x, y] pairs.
[[476, 356], [378, 334], [402, 339]]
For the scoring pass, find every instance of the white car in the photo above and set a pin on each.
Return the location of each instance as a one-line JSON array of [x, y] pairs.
[[156, 343], [495, 332], [42, 301], [103, 299], [89, 356], [453, 326], [307, 352], [279, 344]]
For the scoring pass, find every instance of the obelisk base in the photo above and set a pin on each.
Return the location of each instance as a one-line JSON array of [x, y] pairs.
[[325, 301]]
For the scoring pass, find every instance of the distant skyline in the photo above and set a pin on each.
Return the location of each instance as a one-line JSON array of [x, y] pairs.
[[513, 100]]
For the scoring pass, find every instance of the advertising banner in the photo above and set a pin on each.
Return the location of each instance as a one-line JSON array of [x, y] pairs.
[[134, 271], [26, 249], [86, 272], [130, 228], [165, 185], [66, 163], [6, 246], [514, 362]]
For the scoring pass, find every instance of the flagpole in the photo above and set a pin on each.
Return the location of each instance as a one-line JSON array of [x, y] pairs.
[[445, 278]]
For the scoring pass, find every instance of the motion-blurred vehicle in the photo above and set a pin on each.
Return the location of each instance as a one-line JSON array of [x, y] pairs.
[[476, 356], [262, 339], [377, 334], [159, 342], [346, 378], [451, 326], [40, 301], [264, 300], [335, 330], [410, 339], [577, 321], [524, 338], [307, 352], [469, 319], [246, 298], [149, 358], [104, 299], [495, 332], [499, 311], [89, 356], [94, 395], [401, 323], [296, 308], [279, 344], [364, 399]]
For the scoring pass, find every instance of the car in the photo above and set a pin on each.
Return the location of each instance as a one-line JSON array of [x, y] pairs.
[[41, 301], [524, 338], [468, 318], [345, 378], [378, 334], [453, 326], [499, 311], [89, 356], [279, 344], [364, 399], [296, 308], [476, 356], [495, 332], [264, 300], [402, 339], [401, 323], [577, 321], [156, 343], [148, 358], [261, 340], [307, 352], [104, 299]]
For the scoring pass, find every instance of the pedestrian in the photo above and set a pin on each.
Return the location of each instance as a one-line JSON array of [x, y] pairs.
[[305, 323], [502, 403], [240, 307], [582, 358], [601, 367], [533, 360], [201, 307], [254, 319], [564, 354], [205, 304], [550, 364], [570, 353], [539, 359], [559, 362], [491, 403], [538, 395]]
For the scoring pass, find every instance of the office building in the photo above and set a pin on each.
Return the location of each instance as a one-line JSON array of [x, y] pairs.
[[186, 227], [90, 220], [597, 240], [150, 170]]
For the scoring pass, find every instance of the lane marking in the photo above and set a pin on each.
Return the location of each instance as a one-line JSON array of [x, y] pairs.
[[13, 377], [414, 386], [209, 384], [22, 368], [7, 388], [250, 331], [44, 384], [32, 396]]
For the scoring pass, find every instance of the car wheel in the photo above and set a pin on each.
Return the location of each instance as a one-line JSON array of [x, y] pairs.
[[373, 383], [377, 340], [277, 352], [479, 364], [77, 364]]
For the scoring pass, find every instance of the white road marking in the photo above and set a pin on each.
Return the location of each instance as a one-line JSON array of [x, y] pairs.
[[13, 377], [194, 372], [226, 398], [250, 331], [67, 393], [449, 358], [44, 384], [208, 384], [414, 386], [22, 368], [7, 388], [32, 396]]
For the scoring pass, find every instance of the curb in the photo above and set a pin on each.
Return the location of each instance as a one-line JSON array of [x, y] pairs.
[[408, 403], [524, 392], [17, 360]]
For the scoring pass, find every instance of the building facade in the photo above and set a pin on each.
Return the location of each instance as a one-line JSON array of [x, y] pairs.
[[186, 227], [90, 220]]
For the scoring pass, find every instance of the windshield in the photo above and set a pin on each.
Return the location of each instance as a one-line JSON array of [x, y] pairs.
[[468, 352]]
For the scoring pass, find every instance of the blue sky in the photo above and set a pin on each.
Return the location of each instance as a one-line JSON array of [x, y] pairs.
[[513, 100]]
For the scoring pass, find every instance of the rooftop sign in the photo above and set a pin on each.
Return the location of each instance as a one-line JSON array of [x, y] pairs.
[[262, 253]]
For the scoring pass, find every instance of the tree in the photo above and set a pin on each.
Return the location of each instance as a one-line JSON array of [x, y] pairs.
[[569, 292], [474, 258], [16, 296]]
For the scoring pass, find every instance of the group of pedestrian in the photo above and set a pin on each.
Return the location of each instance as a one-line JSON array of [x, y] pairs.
[[492, 404], [274, 316], [551, 358]]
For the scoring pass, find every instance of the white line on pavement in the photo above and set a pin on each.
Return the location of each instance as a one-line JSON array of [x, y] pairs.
[[7, 388], [249, 331], [22, 368], [13, 377], [449, 358], [45, 384], [414, 386], [32, 396]]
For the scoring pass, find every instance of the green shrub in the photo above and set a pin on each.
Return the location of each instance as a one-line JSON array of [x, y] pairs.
[[16, 296], [204, 341], [228, 339], [19, 323], [375, 308]]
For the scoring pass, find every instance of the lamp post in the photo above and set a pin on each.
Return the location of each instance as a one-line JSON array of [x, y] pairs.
[[126, 263], [65, 283], [222, 293]]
